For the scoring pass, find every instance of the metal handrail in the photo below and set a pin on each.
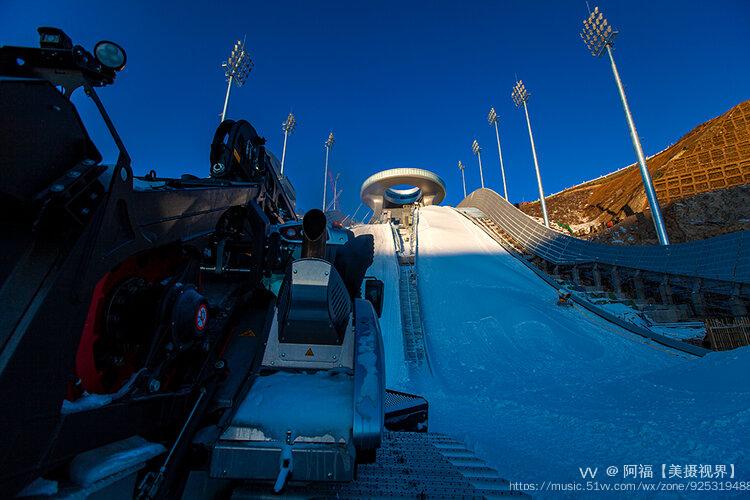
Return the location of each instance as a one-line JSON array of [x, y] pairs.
[[719, 258]]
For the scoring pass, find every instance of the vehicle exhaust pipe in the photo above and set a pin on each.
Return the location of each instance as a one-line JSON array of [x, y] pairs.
[[316, 236]]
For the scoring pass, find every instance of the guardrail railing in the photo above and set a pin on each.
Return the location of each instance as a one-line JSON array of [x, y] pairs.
[[724, 258]]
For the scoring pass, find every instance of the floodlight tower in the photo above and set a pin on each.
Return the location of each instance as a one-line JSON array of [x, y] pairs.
[[520, 96], [236, 69], [463, 177], [478, 151], [599, 36], [328, 144], [492, 119], [288, 128]]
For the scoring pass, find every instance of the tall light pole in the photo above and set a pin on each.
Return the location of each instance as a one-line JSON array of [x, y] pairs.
[[520, 96], [328, 144], [478, 151], [288, 128], [492, 118], [236, 69], [599, 36], [463, 177]]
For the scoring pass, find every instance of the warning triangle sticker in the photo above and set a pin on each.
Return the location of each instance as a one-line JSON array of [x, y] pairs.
[[309, 352]]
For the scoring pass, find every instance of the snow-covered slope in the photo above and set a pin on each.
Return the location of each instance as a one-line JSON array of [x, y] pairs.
[[541, 390]]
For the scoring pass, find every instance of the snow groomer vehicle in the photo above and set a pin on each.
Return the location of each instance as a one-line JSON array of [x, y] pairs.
[[172, 337]]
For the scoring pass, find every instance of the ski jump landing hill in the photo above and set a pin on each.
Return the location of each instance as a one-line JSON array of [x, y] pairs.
[[536, 389], [706, 278], [381, 194]]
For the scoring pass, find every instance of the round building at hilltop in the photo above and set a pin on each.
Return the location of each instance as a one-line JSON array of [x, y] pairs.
[[389, 191]]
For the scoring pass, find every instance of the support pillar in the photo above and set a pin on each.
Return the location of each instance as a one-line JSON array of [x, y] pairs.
[[640, 291], [576, 275], [616, 282], [597, 276], [696, 298], [665, 290], [739, 308]]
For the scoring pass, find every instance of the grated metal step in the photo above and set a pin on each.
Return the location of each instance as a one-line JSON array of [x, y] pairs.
[[408, 465]]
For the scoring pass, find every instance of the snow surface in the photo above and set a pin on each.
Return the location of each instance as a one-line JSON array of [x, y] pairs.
[[100, 463], [314, 406], [540, 390]]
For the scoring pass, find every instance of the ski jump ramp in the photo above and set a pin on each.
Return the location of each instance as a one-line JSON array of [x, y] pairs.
[[539, 390], [380, 191]]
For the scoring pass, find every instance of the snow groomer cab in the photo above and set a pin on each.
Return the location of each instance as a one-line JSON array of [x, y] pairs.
[[316, 407]]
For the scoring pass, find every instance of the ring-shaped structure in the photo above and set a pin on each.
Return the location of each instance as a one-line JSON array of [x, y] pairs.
[[379, 191]]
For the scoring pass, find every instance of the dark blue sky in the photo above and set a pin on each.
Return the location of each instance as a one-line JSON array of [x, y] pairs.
[[407, 84]]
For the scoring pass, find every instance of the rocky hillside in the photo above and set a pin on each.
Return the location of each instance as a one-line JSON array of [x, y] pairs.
[[702, 182]]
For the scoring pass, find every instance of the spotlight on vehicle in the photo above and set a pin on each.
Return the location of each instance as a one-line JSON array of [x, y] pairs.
[[110, 55]]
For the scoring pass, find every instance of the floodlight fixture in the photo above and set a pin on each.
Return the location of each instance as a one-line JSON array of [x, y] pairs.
[[236, 69], [328, 145], [597, 33], [289, 124], [238, 66], [493, 119], [520, 95], [492, 116], [478, 152], [463, 176], [288, 128]]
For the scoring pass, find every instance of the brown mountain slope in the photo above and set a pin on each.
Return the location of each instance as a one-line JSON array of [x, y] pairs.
[[701, 182]]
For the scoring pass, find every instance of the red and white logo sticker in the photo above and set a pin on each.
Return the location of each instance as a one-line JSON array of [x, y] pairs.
[[201, 317]]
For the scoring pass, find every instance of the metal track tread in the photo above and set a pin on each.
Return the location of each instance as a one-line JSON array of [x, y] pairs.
[[410, 464], [411, 316]]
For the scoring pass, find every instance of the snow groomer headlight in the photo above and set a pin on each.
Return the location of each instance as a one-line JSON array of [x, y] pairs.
[[110, 55]]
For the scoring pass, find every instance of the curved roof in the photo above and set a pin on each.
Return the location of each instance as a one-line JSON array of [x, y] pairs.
[[379, 186]]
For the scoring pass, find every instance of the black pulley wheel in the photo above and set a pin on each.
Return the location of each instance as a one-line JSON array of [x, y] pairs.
[[219, 148], [237, 151]]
